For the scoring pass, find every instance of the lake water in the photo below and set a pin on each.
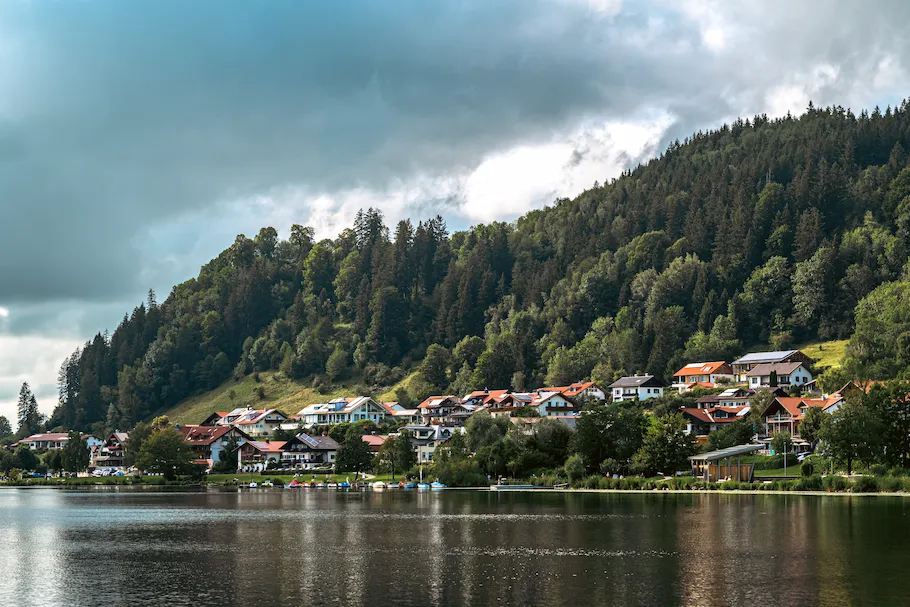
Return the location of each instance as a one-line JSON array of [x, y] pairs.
[[320, 547]]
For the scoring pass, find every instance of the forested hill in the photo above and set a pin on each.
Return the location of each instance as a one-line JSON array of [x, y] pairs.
[[759, 232]]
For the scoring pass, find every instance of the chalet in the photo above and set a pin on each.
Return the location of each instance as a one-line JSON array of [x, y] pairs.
[[445, 410], [215, 419], [483, 397], [110, 454], [209, 442], [701, 422], [552, 404], [55, 440], [580, 391], [255, 452], [637, 387], [731, 397], [707, 375], [744, 364], [375, 441], [784, 375], [309, 452], [785, 412], [399, 413], [258, 423], [343, 410], [506, 404], [425, 438]]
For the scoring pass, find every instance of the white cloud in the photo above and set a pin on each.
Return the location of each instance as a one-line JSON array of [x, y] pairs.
[[4, 312], [33, 359]]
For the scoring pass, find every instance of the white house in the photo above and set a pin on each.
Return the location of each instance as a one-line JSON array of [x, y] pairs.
[[56, 440], [343, 410], [782, 375], [258, 423], [580, 391], [425, 439], [744, 364], [707, 375], [209, 442], [309, 452], [636, 387], [554, 404]]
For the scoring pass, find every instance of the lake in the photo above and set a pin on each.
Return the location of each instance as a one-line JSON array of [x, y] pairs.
[[322, 547]]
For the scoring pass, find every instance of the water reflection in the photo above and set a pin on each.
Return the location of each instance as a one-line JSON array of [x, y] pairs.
[[449, 548]]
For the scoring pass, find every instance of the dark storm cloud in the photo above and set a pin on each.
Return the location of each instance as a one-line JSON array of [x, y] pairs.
[[117, 117]]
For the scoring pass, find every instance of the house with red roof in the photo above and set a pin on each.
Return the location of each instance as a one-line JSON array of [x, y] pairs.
[[579, 391], [375, 441], [209, 442], [706, 375], [702, 421], [258, 423], [448, 410], [785, 412]]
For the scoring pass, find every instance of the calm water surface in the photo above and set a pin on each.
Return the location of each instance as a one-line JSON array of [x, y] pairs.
[[263, 547]]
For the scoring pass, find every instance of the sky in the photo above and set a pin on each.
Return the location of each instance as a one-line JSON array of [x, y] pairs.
[[138, 139]]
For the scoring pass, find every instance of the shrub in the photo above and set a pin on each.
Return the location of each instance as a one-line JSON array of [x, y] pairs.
[[808, 483], [604, 483], [879, 470], [865, 484], [574, 468], [891, 484], [592, 482], [807, 468], [609, 466], [834, 483], [898, 471]]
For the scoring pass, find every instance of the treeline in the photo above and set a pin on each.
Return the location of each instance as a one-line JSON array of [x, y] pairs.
[[763, 231]]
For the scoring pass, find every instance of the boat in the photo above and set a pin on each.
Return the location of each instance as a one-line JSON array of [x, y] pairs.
[[409, 486], [378, 485], [437, 485], [294, 484], [423, 486], [319, 485], [253, 484], [332, 485], [344, 485], [267, 484]]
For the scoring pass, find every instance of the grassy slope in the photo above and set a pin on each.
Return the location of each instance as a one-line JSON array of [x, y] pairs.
[[280, 393], [827, 354]]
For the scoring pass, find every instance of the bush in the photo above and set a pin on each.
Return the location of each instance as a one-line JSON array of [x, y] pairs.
[[808, 483], [891, 484], [834, 483], [773, 462], [609, 467], [592, 482], [879, 470], [574, 468], [898, 471], [865, 484], [807, 468]]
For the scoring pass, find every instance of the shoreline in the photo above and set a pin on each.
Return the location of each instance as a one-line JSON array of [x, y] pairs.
[[144, 486]]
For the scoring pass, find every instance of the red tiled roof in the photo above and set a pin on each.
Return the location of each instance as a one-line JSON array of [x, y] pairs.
[[203, 435], [700, 368], [374, 440], [274, 446]]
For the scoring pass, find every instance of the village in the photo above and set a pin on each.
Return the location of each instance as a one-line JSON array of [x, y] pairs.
[[265, 440]]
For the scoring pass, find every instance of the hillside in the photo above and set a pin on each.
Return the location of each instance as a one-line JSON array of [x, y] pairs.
[[760, 232], [278, 392]]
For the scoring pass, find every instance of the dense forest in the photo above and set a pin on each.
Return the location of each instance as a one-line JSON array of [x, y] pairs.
[[760, 232]]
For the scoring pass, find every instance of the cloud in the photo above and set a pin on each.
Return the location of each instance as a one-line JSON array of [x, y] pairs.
[[35, 360], [137, 140]]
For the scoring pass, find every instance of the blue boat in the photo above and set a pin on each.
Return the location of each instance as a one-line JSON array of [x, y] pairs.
[[437, 485], [344, 485], [409, 486], [422, 486]]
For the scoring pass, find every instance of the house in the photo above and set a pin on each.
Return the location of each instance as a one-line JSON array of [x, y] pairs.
[[707, 375], [733, 397], [743, 365], [637, 387], [785, 412], [308, 452], [445, 410], [425, 438], [215, 419], [110, 454], [580, 391], [258, 423], [504, 405], [399, 413], [483, 397], [781, 375], [343, 410], [209, 442], [375, 441], [254, 456], [553, 404], [55, 440], [702, 421]]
